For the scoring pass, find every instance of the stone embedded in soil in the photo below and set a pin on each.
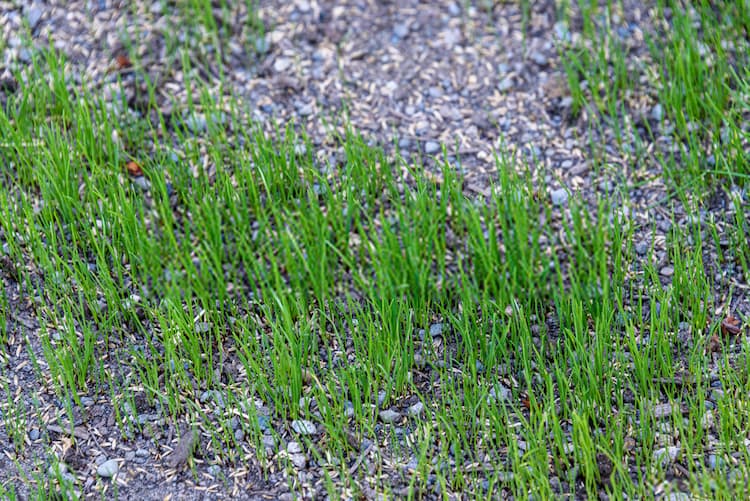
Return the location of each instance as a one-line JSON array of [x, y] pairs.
[[415, 410], [34, 15], [389, 416], [666, 455], [348, 409], [298, 460], [282, 64], [108, 469], [500, 392], [436, 329], [505, 84], [559, 196], [641, 248], [401, 30], [657, 112], [196, 122], [539, 58], [304, 427], [667, 271], [431, 147], [662, 410]]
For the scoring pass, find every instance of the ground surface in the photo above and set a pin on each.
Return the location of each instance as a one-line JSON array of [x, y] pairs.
[[412, 77]]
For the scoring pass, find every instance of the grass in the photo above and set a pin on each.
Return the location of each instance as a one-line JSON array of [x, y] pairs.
[[251, 276]]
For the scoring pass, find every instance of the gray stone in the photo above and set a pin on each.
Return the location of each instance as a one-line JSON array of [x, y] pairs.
[[431, 147], [34, 434], [264, 422], [415, 410], [293, 447], [677, 496], [108, 469], [505, 84], [559, 196], [435, 92], [539, 58], [401, 30], [641, 248], [389, 416], [562, 31], [34, 15], [667, 271], [304, 427], [657, 112], [348, 409], [282, 64], [142, 183], [381, 397], [298, 460], [196, 122], [436, 329], [500, 392], [262, 45], [666, 455]]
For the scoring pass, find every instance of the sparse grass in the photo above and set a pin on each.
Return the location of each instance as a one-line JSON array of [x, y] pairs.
[[249, 274]]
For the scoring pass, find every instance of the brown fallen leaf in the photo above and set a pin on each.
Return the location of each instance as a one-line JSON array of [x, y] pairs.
[[134, 169], [714, 344], [731, 326], [122, 62], [184, 450]]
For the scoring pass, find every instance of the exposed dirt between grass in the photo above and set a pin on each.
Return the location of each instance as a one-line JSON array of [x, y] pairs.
[[408, 75]]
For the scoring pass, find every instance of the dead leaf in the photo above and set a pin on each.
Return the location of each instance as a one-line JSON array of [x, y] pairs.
[[122, 62], [134, 169], [184, 450], [731, 326], [714, 344]]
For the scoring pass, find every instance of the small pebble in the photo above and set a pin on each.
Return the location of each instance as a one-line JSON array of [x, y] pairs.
[[282, 64], [667, 271], [389, 416], [539, 58], [304, 427], [657, 112], [559, 197], [431, 147], [401, 30], [108, 468], [500, 392], [415, 410], [298, 460], [641, 248], [505, 84], [666, 455], [34, 15]]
